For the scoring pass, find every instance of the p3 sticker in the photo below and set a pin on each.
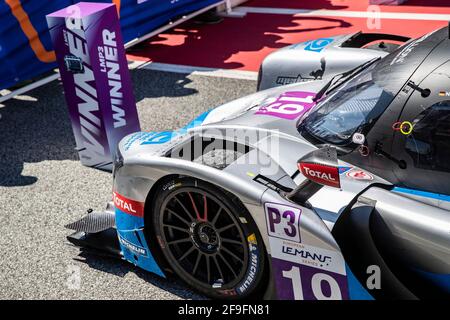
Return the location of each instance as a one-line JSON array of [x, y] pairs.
[[283, 221]]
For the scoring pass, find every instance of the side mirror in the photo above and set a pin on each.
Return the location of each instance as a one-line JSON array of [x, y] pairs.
[[320, 167]]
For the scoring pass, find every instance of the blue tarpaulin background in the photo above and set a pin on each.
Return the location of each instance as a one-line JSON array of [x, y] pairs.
[[25, 46]]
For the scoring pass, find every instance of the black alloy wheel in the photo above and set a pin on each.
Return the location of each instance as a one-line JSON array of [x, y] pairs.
[[210, 241]]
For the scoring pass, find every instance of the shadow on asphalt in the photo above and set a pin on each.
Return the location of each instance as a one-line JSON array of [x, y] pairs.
[[120, 268], [156, 84], [216, 45], [36, 127], [316, 4]]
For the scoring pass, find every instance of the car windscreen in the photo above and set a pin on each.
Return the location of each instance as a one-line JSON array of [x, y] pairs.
[[363, 98], [342, 112]]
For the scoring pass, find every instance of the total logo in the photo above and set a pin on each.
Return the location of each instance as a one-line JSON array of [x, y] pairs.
[[129, 206], [321, 174]]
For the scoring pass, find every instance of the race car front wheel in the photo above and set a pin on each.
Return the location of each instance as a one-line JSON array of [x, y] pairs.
[[209, 239]]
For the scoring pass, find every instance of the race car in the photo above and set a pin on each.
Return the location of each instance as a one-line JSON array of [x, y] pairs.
[[317, 59], [335, 188]]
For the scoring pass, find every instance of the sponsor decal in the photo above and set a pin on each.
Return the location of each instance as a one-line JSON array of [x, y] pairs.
[[161, 242], [252, 239], [254, 265], [243, 220], [109, 64], [129, 206], [171, 185], [318, 45], [343, 170], [283, 221], [405, 127], [444, 93], [166, 136], [359, 175], [307, 255], [155, 138], [401, 56], [358, 138], [363, 150], [228, 292], [158, 137], [218, 284], [91, 128], [314, 75], [289, 105], [144, 138], [133, 138], [281, 80], [132, 247], [322, 174], [304, 272]]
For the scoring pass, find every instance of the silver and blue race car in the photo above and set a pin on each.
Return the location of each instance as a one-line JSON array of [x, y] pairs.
[[331, 182]]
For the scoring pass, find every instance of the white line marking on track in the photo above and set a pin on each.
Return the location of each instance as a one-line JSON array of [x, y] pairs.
[[198, 71], [348, 14]]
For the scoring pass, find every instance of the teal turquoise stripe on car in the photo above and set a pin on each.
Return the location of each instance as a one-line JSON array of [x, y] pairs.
[[355, 288], [425, 194], [166, 136]]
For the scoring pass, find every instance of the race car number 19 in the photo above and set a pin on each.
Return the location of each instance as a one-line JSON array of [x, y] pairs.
[[317, 281], [302, 271]]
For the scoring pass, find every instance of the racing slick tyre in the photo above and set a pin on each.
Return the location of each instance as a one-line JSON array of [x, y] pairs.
[[209, 239]]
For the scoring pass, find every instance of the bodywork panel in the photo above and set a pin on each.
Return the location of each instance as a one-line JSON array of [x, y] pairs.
[[320, 58]]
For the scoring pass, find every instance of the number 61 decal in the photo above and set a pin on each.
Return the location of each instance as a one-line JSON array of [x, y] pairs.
[[289, 105]]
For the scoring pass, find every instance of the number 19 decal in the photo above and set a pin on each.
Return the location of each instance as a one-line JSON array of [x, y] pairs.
[[301, 282], [316, 285]]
